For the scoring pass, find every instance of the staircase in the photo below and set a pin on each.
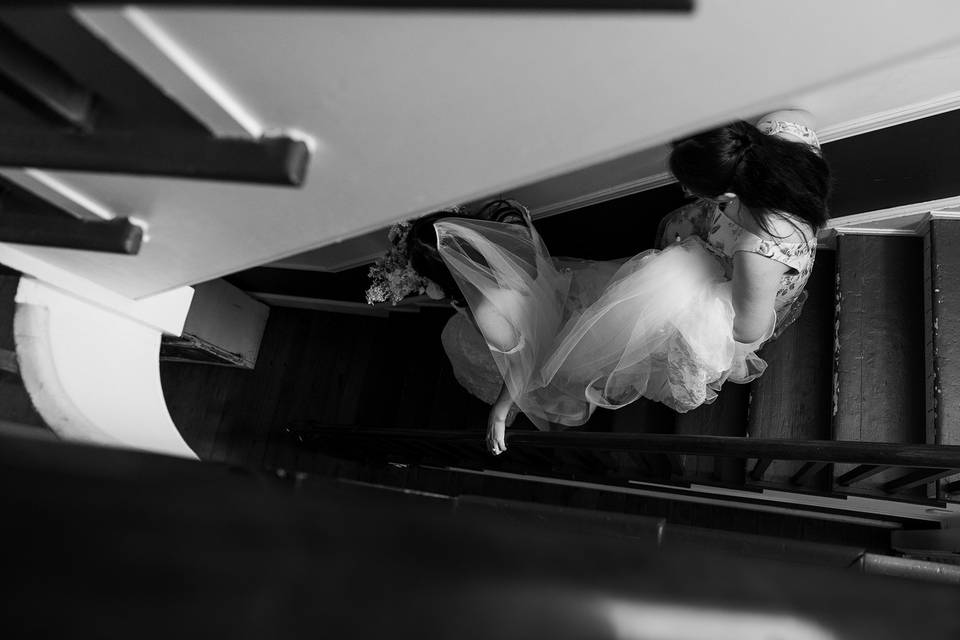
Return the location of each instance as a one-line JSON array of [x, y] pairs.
[[873, 360], [854, 407]]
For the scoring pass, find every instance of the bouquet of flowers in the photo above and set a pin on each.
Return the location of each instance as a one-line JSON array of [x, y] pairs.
[[393, 278]]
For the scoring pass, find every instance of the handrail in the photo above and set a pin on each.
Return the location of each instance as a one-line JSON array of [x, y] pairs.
[[829, 451]]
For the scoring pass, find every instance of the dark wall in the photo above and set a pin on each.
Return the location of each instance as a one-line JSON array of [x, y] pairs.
[[909, 163]]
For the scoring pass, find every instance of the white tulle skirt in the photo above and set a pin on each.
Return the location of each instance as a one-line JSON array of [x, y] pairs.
[[586, 334]]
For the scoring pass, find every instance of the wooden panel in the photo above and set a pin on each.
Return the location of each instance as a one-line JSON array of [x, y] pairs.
[[880, 371], [793, 398], [942, 323], [944, 290]]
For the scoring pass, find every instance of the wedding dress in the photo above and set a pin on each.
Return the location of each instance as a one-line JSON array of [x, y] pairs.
[[657, 325]]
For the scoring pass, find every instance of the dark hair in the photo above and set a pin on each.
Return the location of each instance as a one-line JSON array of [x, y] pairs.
[[770, 175], [422, 241]]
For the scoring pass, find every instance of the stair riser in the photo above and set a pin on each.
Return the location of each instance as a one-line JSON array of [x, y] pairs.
[[879, 363]]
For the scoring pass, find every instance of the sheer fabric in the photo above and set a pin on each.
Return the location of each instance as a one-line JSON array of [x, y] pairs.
[[658, 325], [589, 334]]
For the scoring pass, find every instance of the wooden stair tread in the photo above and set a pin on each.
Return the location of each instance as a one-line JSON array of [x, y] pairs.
[[879, 360], [791, 400]]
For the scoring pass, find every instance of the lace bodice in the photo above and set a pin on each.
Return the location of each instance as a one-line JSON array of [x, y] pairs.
[[725, 237]]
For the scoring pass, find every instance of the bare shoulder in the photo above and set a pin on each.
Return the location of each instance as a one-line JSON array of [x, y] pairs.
[[760, 272]]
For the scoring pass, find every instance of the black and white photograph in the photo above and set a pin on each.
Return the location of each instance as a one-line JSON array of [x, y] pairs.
[[508, 319]]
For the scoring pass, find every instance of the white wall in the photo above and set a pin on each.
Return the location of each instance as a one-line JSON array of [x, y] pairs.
[[416, 111]]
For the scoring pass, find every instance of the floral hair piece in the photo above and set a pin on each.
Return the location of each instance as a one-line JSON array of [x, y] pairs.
[[393, 278]]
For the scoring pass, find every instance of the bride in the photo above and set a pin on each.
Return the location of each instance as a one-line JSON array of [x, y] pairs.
[[671, 324]]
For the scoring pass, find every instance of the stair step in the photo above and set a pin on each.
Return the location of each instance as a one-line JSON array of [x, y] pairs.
[[879, 367], [727, 416], [942, 322], [791, 400]]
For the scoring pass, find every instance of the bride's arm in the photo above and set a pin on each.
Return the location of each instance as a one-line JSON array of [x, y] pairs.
[[756, 280], [497, 423]]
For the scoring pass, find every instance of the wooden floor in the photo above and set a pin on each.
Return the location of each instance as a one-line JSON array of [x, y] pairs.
[[343, 369], [334, 368]]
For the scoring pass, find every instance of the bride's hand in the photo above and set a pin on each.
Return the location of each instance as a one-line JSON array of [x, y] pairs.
[[496, 431]]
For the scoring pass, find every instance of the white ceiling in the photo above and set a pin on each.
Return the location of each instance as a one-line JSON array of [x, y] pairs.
[[412, 112]]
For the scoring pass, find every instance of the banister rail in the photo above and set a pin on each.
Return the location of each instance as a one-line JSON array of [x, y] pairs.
[[836, 451], [652, 454]]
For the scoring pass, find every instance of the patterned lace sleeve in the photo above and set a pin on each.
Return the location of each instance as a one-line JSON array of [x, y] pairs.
[[784, 244], [773, 127], [798, 256]]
